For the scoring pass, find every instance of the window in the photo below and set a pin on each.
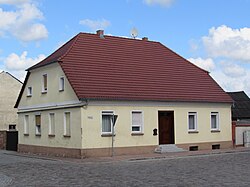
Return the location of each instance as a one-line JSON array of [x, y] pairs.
[[137, 121], [38, 124], [192, 121], [29, 91], [61, 84], [66, 124], [12, 127], [26, 124], [45, 83], [214, 121], [107, 117], [51, 124]]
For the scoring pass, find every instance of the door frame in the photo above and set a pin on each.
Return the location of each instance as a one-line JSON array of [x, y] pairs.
[[173, 124]]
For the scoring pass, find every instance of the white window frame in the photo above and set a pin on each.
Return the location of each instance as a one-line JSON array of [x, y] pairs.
[[217, 121], [195, 122], [29, 91], [43, 83], [65, 132], [142, 121], [26, 125], [36, 125], [52, 124], [61, 83], [109, 113]]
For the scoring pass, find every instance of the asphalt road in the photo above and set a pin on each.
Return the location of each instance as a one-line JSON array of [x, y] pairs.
[[225, 169]]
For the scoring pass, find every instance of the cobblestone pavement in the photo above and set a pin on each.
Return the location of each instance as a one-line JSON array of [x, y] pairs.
[[224, 169]]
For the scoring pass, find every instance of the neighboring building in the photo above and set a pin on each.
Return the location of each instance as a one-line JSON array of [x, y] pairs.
[[9, 90], [68, 100], [240, 116]]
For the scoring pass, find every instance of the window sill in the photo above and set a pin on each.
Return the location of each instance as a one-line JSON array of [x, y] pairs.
[[44, 92], [29, 96], [107, 135], [61, 90], [193, 132], [215, 130], [26, 134], [51, 135], [66, 136], [38, 135], [137, 134]]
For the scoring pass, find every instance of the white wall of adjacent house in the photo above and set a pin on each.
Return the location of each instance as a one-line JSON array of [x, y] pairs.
[[9, 90], [93, 137]]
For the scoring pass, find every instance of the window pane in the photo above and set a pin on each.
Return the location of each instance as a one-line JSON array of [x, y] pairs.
[[213, 121], [106, 123], [45, 82], [136, 121], [52, 123], [136, 128], [26, 124], [38, 124], [191, 122], [61, 83], [67, 124]]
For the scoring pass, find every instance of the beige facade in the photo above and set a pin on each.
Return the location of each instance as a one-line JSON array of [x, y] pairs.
[[84, 121], [9, 90]]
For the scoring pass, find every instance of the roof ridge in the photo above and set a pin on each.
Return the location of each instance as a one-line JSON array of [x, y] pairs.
[[71, 46]]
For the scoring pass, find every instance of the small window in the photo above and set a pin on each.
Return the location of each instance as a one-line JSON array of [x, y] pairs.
[[12, 127], [26, 124], [214, 121], [38, 124], [66, 124], [192, 121], [29, 91], [61, 84], [45, 83], [137, 121], [51, 124], [107, 117]]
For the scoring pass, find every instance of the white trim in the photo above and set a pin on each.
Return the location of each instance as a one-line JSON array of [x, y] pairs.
[[65, 133], [43, 89], [142, 120], [36, 126], [50, 124], [195, 121], [217, 120], [111, 112], [61, 86], [29, 91], [26, 124], [48, 106]]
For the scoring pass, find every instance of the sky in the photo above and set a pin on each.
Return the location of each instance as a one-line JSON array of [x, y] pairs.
[[212, 34]]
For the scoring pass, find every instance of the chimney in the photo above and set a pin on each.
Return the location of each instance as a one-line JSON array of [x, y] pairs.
[[100, 33], [145, 38]]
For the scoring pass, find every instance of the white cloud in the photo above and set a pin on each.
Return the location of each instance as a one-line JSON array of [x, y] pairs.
[[95, 24], [22, 21], [14, 2], [233, 70], [206, 64], [226, 42], [164, 3], [19, 63]]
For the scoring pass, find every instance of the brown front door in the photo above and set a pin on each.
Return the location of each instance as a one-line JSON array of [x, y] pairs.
[[166, 127]]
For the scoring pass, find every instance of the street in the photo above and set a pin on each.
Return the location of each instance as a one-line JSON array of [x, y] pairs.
[[225, 169]]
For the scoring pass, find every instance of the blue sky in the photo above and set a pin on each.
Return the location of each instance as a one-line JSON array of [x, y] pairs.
[[213, 34]]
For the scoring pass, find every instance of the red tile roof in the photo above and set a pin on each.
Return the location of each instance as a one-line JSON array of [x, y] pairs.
[[119, 68]]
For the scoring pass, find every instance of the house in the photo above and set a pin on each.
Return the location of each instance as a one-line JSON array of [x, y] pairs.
[[240, 116], [69, 100], [9, 90]]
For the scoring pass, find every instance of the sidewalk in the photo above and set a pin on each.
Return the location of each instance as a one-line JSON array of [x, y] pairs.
[[151, 156]]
